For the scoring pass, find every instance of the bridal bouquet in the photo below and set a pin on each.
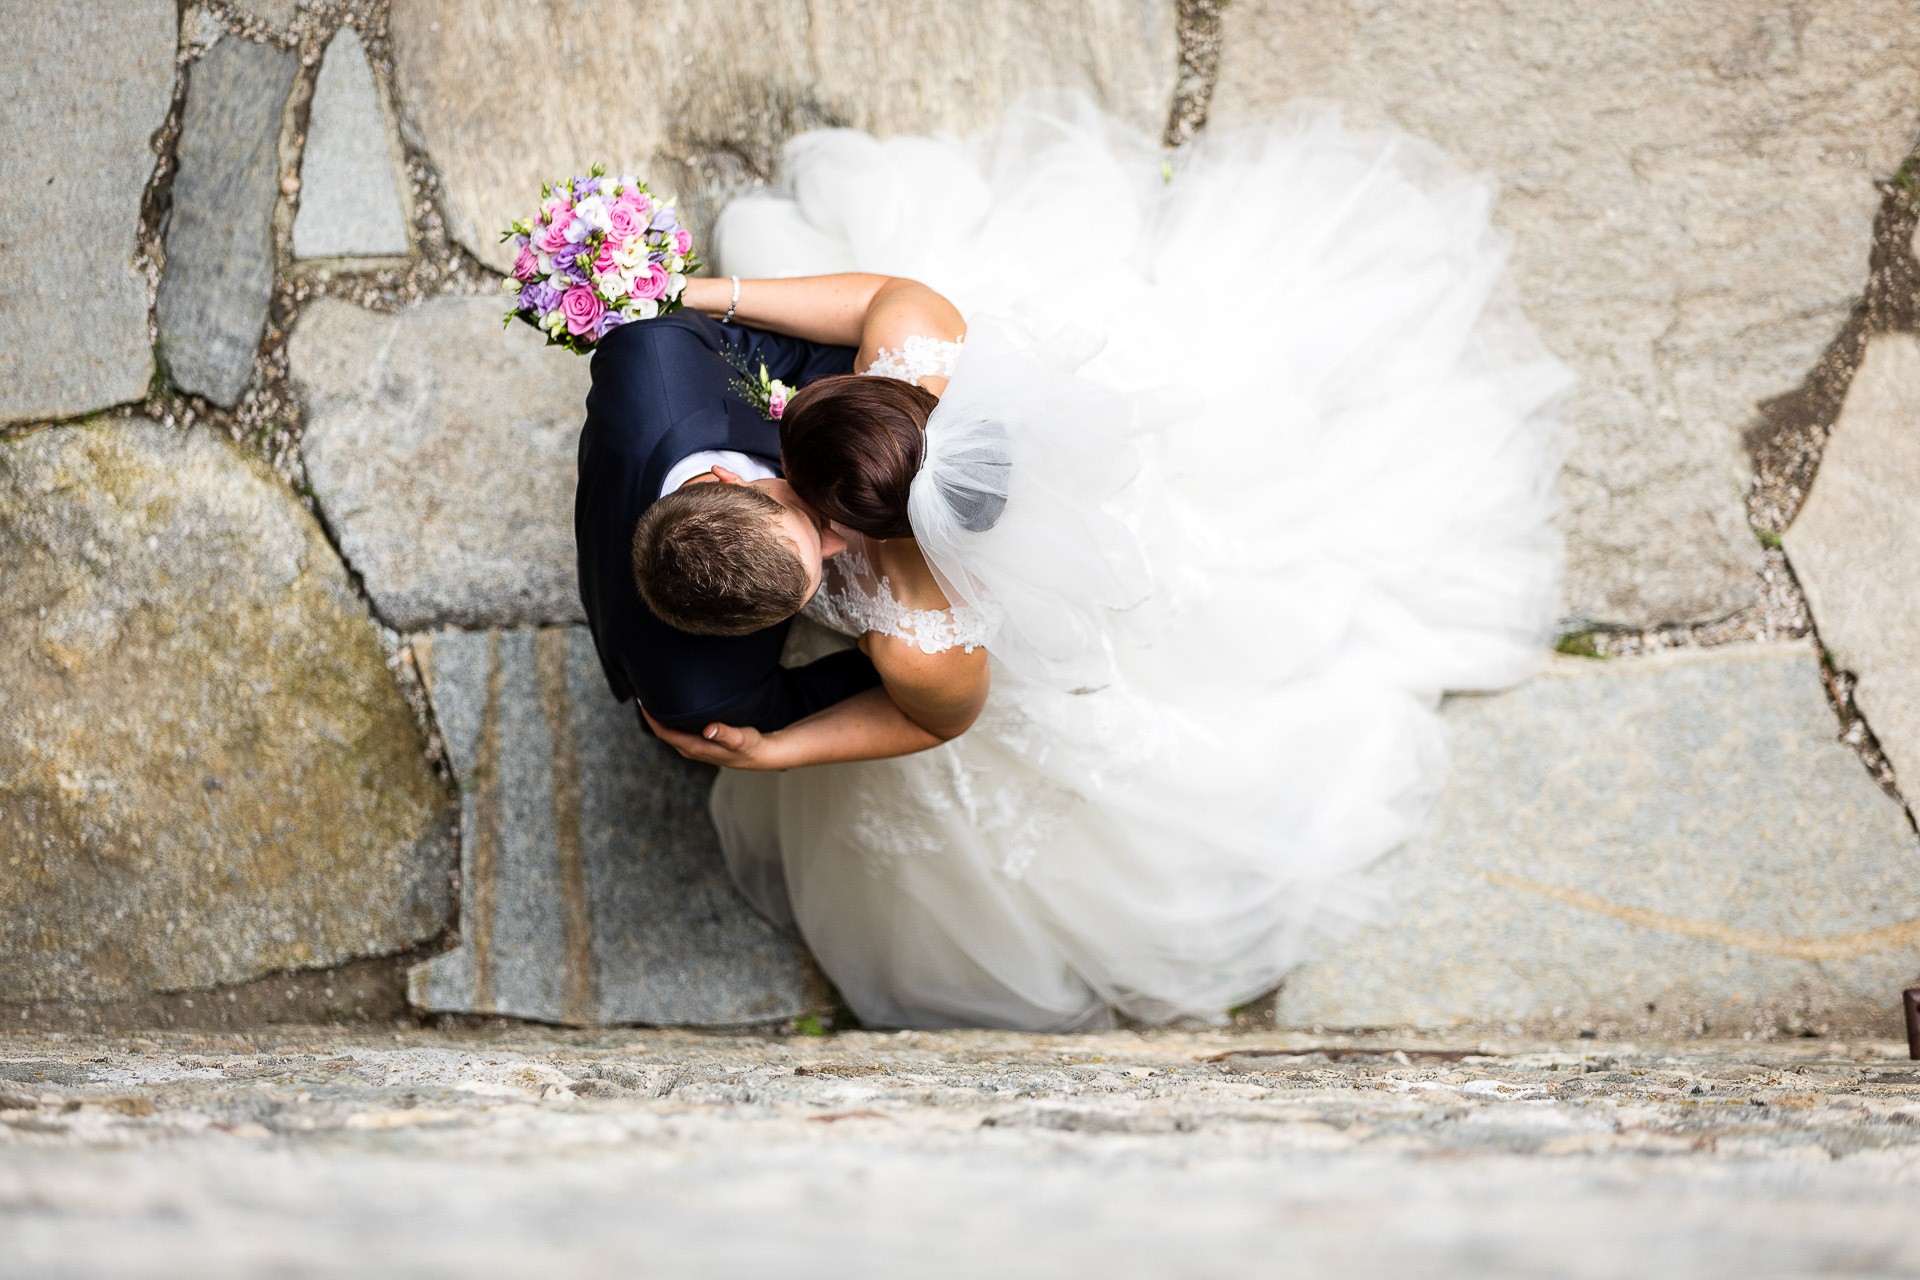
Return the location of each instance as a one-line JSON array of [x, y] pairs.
[[601, 252]]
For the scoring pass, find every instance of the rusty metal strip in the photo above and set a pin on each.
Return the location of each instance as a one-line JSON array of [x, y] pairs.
[[580, 1002]]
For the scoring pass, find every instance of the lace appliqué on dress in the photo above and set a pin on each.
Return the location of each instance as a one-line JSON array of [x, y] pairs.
[[1013, 816], [918, 357], [854, 600]]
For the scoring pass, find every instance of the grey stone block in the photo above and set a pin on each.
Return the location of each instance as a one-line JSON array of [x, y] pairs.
[[219, 275], [206, 771], [83, 86], [1676, 842], [593, 888], [1855, 547], [350, 201], [707, 93], [442, 451], [1691, 192]]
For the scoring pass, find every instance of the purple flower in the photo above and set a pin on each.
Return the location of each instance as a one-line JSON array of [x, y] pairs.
[[572, 263], [585, 187], [663, 219], [608, 323], [540, 297]]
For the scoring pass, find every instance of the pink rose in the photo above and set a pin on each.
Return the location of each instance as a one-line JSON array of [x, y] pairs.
[[625, 224], [777, 403], [603, 261], [682, 241], [651, 283], [582, 308], [552, 238], [641, 206], [526, 266]]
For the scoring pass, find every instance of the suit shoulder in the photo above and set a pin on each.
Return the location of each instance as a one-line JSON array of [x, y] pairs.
[[681, 327]]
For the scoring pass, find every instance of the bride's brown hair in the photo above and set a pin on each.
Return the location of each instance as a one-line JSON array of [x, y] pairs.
[[851, 445]]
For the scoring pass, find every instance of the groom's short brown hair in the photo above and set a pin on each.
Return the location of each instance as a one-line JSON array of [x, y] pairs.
[[710, 559]]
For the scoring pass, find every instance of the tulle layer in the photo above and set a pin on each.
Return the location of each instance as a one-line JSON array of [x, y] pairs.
[[1305, 489]]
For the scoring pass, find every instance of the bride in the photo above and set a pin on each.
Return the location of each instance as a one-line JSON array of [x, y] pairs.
[[1175, 492]]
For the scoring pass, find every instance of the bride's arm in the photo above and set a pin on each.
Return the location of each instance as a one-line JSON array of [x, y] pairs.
[[926, 700], [852, 309]]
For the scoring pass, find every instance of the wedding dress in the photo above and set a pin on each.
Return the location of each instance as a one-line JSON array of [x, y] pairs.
[[1276, 455]]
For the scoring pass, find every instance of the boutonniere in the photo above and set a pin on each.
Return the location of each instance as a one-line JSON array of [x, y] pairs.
[[766, 393]]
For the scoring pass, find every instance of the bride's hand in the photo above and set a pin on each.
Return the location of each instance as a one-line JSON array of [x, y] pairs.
[[723, 745]]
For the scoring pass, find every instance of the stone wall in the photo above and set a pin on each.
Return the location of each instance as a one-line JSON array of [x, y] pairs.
[[291, 658]]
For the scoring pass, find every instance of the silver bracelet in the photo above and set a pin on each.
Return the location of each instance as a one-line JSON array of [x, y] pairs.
[[734, 305]]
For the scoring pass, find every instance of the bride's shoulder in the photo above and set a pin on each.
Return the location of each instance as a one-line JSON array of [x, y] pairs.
[[884, 591], [911, 332]]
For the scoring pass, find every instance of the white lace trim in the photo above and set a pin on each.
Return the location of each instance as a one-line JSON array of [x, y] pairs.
[[918, 357], [853, 600]]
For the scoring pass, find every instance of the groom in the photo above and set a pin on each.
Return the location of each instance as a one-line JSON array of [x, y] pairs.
[[663, 415]]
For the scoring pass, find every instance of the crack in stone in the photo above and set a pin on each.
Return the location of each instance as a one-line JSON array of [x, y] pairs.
[[1842, 946], [580, 1001], [486, 837]]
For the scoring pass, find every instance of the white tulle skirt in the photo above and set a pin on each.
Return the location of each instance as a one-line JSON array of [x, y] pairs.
[[1343, 500]]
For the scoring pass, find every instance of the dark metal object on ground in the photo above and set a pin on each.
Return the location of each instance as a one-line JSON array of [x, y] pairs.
[[1910, 1002]]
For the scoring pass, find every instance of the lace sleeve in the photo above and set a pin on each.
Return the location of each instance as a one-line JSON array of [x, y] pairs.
[[916, 358], [853, 599]]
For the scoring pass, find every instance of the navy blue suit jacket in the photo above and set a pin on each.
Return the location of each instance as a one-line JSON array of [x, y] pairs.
[[663, 389]]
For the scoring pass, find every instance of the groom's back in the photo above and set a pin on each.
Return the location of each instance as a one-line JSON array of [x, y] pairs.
[[663, 390]]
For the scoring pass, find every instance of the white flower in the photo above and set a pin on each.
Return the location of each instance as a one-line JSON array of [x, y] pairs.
[[510, 285], [676, 283], [593, 212], [645, 308]]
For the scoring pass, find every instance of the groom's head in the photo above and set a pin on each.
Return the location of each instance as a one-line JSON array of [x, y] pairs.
[[722, 557]]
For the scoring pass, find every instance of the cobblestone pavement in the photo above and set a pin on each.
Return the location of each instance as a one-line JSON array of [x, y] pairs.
[[307, 1152]]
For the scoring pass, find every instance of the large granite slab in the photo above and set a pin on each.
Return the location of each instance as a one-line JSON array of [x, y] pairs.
[[592, 885], [1676, 843], [218, 282], [1855, 547], [707, 93], [442, 450], [206, 770], [1690, 189], [350, 188], [83, 86]]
